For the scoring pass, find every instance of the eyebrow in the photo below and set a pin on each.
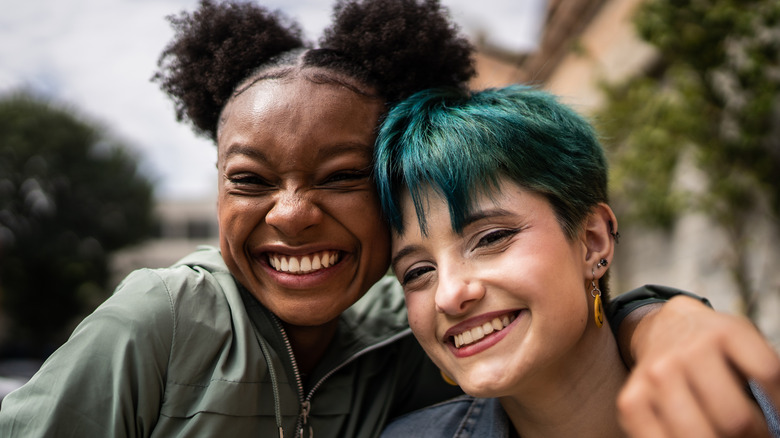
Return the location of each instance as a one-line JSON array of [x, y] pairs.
[[405, 251], [323, 152], [468, 220], [241, 149], [484, 214]]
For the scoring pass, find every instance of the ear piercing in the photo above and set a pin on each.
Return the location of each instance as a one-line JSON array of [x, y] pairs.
[[614, 233]]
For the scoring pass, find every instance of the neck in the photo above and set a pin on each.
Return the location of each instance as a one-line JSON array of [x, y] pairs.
[[575, 398], [310, 343]]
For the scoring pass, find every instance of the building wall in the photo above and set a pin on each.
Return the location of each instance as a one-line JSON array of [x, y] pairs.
[[183, 225], [592, 41]]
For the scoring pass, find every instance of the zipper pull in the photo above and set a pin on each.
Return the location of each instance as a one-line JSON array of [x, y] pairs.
[[305, 408]]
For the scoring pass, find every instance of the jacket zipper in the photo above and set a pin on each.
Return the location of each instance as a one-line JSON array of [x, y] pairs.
[[303, 418], [305, 402]]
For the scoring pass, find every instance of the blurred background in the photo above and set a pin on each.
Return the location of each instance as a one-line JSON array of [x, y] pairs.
[[97, 178]]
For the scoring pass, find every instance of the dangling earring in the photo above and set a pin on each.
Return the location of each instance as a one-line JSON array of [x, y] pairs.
[[595, 292], [447, 378]]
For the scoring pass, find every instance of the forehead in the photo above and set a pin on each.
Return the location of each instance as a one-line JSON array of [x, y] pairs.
[[298, 111]]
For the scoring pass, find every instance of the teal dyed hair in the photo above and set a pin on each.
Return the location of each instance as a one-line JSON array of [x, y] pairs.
[[460, 143]]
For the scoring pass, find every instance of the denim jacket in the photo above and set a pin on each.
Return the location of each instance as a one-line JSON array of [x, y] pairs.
[[469, 417], [461, 417]]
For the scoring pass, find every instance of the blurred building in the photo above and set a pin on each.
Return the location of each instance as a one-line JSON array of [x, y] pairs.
[[586, 42], [182, 226]]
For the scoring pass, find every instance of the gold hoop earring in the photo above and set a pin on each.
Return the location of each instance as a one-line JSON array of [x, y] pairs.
[[447, 378]]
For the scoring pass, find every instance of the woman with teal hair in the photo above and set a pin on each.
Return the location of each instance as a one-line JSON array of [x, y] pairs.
[[502, 240]]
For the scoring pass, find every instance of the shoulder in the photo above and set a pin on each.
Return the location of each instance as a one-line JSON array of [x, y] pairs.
[[200, 280], [440, 420], [385, 300], [158, 304], [770, 412]]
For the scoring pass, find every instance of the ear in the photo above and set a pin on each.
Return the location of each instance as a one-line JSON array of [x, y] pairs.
[[597, 238]]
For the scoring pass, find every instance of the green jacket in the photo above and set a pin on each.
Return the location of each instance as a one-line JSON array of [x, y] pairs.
[[179, 352], [186, 351]]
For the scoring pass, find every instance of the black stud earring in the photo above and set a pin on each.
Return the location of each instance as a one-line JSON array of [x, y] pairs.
[[614, 234]]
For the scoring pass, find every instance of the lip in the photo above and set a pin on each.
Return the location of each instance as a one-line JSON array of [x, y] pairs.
[[301, 280], [486, 342]]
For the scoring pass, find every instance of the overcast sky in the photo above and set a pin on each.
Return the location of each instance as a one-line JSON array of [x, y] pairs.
[[98, 55]]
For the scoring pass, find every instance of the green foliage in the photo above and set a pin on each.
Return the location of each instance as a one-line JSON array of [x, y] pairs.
[[714, 95], [69, 196], [646, 133], [711, 100]]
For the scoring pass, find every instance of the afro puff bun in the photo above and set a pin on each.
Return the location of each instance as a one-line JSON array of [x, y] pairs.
[[397, 47], [403, 45], [215, 48]]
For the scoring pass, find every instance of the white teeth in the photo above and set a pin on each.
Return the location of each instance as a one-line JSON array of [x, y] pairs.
[[475, 334], [305, 264]]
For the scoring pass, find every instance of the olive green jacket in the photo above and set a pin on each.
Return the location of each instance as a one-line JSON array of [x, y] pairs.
[[187, 352]]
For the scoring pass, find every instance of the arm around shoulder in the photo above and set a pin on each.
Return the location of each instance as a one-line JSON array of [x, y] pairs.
[[108, 379], [691, 372], [629, 310]]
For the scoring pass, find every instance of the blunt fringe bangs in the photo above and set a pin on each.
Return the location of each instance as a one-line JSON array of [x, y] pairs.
[[460, 143]]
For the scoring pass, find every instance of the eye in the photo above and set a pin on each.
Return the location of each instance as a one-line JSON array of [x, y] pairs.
[[248, 179], [415, 273], [496, 236], [346, 177], [248, 182]]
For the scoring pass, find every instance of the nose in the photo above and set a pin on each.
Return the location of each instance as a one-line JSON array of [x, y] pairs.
[[293, 212], [457, 291]]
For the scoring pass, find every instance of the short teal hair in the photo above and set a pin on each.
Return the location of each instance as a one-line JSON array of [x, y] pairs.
[[459, 142]]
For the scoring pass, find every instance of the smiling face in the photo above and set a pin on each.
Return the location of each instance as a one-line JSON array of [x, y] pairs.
[[300, 224], [504, 304]]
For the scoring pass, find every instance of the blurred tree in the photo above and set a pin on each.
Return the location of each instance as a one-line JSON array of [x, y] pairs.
[[69, 196], [711, 100]]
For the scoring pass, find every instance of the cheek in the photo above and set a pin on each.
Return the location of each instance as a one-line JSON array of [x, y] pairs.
[[361, 215], [237, 216], [367, 203], [421, 316]]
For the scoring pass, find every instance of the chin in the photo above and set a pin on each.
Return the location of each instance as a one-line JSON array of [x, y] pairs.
[[485, 385], [482, 391], [311, 314]]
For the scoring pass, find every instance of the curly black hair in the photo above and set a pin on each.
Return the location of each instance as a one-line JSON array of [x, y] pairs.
[[394, 47]]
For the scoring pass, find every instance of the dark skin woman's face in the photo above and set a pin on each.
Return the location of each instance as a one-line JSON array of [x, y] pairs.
[[299, 217]]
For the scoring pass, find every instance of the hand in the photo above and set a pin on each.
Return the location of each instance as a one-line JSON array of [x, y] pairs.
[[692, 364]]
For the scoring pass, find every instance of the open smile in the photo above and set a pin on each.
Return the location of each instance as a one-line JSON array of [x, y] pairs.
[[474, 334], [305, 264]]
